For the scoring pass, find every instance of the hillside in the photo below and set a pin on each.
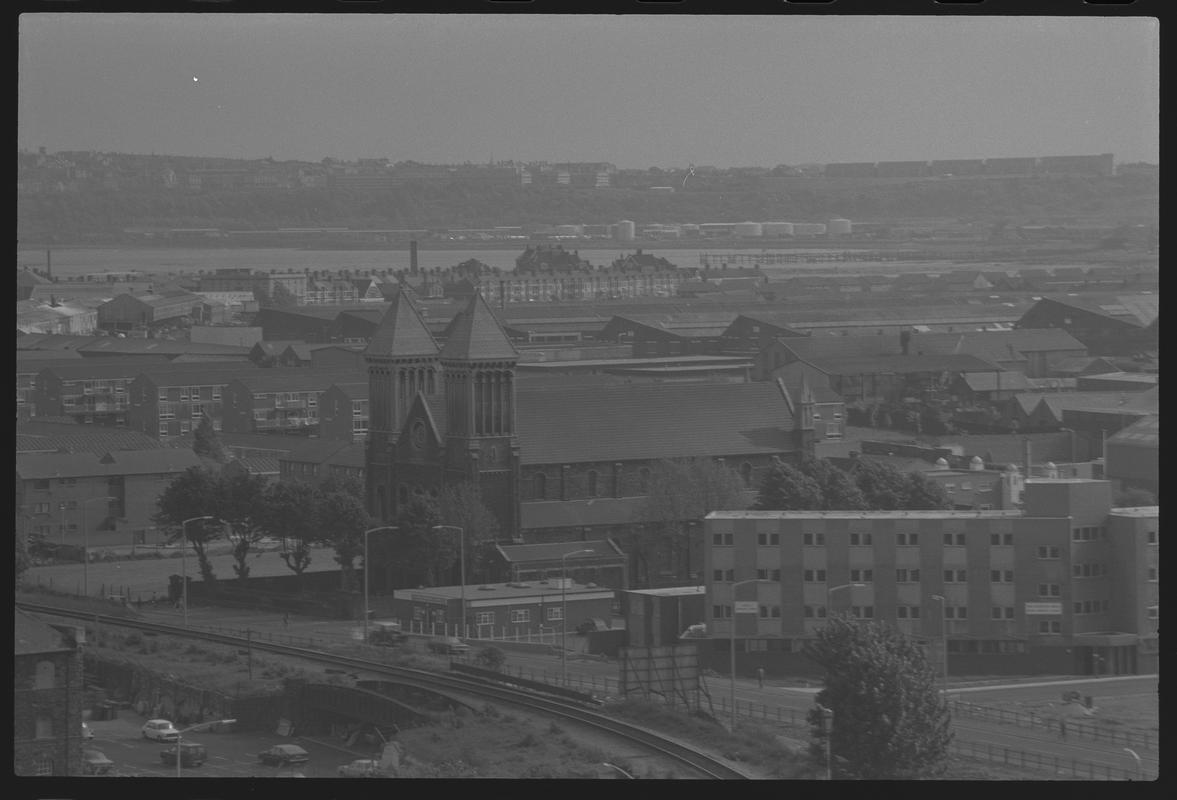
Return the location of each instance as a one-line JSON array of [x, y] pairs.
[[97, 215]]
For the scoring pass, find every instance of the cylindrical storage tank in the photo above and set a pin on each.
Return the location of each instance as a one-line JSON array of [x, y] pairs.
[[838, 227], [777, 228], [747, 229], [624, 230]]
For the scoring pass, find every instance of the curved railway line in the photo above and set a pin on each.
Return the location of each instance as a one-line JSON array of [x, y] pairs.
[[685, 755]]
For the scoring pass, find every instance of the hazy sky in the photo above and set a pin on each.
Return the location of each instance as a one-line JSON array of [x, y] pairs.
[[634, 90]]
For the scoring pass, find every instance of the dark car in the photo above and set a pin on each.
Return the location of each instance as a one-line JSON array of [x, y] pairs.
[[95, 762], [387, 634], [283, 754], [448, 645], [192, 754]]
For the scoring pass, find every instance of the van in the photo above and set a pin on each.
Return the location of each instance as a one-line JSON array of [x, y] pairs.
[[191, 755]]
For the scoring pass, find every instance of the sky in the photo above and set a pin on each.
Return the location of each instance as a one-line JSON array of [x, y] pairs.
[[634, 90]]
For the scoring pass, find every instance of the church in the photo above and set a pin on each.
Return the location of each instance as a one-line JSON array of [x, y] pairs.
[[563, 463]]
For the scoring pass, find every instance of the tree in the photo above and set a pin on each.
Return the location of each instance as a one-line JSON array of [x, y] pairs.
[[462, 505], [838, 490], [192, 493], [207, 442], [342, 520], [262, 295], [889, 720], [22, 561], [786, 488], [681, 492], [291, 514], [1132, 497], [882, 486], [923, 494], [421, 553], [241, 505], [283, 297]]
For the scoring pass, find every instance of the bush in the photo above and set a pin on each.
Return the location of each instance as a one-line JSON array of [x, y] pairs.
[[491, 658]]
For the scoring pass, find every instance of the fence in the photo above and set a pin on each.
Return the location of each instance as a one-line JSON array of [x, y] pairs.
[[1140, 740], [1057, 765]]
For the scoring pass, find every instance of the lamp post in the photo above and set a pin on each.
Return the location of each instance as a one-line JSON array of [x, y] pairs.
[[1072, 432], [827, 718], [86, 545], [943, 636], [564, 612], [184, 559], [196, 727], [732, 648], [370, 530], [830, 594], [1139, 763], [462, 559]]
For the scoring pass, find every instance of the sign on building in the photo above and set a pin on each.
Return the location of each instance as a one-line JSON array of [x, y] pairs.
[[1044, 608]]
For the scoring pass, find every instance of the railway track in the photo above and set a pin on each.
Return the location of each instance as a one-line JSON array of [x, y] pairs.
[[683, 754]]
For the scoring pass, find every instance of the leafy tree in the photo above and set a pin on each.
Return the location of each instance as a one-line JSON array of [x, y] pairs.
[[786, 488], [838, 490], [923, 494], [462, 505], [291, 514], [192, 493], [342, 521], [22, 561], [241, 505], [418, 554], [889, 721], [207, 442], [682, 492], [1132, 497], [883, 486], [283, 297], [262, 296]]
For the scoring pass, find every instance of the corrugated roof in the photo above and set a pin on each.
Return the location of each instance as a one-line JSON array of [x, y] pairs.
[[901, 365], [552, 551], [650, 421], [402, 332], [123, 462], [259, 465], [477, 335], [85, 368], [83, 439], [996, 381], [31, 636]]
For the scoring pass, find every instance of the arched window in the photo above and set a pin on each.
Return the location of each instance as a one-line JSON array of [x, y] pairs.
[[746, 473], [592, 483], [539, 486], [644, 479], [46, 677]]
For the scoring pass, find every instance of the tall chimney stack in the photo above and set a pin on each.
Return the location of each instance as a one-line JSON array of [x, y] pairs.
[[413, 257]]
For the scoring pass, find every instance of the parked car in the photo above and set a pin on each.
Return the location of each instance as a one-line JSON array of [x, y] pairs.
[[283, 754], [361, 768], [448, 645], [95, 762], [161, 730], [386, 634], [87, 732], [191, 754]]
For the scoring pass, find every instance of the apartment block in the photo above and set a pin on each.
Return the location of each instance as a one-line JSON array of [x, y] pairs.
[[1060, 586], [170, 400], [280, 400]]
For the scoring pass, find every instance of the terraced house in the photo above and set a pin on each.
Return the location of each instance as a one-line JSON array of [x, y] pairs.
[[170, 399]]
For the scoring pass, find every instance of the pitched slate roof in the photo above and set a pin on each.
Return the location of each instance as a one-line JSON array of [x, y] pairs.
[[196, 373], [258, 465], [296, 379], [131, 346], [996, 381], [1002, 345], [901, 365], [1145, 433], [123, 462], [401, 332], [51, 438], [317, 451], [31, 636], [352, 390], [552, 551], [477, 335], [649, 421], [53, 341], [1135, 309]]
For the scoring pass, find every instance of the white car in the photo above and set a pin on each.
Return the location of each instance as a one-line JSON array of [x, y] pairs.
[[361, 768], [87, 732], [161, 730]]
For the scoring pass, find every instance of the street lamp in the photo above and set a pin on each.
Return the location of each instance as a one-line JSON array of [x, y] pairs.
[[564, 612], [736, 610], [1139, 763], [184, 559], [196, 727], [830, 594], [943, 636], [827, 720], [370, 530], [462, 558], [86, 545]]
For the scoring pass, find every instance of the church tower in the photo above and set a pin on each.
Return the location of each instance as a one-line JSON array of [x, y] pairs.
[[478, 363], [402, 359]]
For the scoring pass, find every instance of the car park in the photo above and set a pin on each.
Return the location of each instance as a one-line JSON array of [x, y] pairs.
[[161, 730], [95, 762], [192, 754], [361, 768], [283, 754], [448, 645]]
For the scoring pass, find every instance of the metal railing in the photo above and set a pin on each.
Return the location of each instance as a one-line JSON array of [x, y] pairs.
[[1045, 762], [1141, 740]]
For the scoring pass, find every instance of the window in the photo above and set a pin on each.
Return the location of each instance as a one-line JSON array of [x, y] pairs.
[[216, 393], [862, 575], [1152, 537], [539, 486], [717, 575], [592, 483], [1050, 626], [519, 615], [956, 612], [554, 613], [183, 426], [861, 540], [954, 539], [163, 395], [746, 473], [764, 539], [907, 576], [815, 576], [46, 676], [484, 618], [950, 488], [1045, 551], [813, 539], [956, 576], [862, 612], [721, 612], [41, 508], [907, 539], [984, 486], [43, 766], [907, 612], [1001, 576], [762, 574], [1153, 612], [1049, 590], [818, 612], [44, 728], [163, 429], [1152, 574], [728, 539]]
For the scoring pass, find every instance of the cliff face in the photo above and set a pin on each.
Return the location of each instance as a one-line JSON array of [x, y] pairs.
[[91, 216]]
